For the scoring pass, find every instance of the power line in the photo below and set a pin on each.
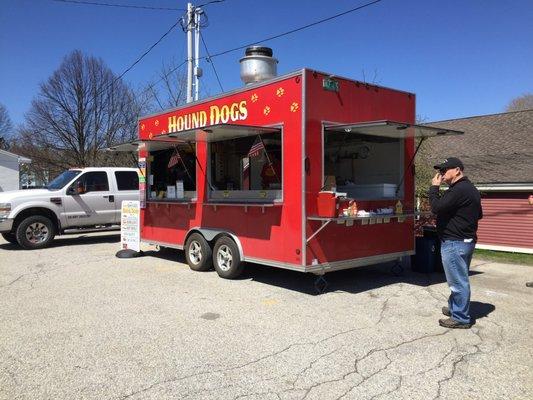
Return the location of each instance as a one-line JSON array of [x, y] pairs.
[[295, 30], [208, 59], [163, 77], [210, 2], [139, 59], [149, 50], [93, 3]]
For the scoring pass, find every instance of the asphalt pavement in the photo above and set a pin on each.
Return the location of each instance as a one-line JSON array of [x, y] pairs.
[[78, 323]]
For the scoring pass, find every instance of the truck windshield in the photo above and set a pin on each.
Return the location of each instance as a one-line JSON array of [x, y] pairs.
[[62, 179]]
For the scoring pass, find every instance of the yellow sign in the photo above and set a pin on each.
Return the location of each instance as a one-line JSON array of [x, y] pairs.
[[215, 115]]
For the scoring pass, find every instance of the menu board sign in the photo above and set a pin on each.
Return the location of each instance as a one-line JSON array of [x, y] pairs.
[[130, 225], [141, 172]]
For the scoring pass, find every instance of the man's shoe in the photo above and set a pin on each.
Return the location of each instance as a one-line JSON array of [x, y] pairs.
[[453, 324], [446, 311]]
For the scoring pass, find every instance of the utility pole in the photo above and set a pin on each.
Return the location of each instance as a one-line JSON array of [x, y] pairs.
[[197, 70], [193, 63], [190, 22]]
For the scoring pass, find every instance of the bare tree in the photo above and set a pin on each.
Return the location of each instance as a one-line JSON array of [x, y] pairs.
[[172, 83], [82, 109], [6, 127], [524, 102]]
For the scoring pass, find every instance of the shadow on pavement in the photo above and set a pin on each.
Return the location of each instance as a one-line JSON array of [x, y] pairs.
[[66, 240], [480, 310], [167, 253], [354, 280]]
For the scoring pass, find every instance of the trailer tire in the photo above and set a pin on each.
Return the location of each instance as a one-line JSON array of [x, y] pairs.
[[198, 253], [35, 232], [10, 237], [227, 259]]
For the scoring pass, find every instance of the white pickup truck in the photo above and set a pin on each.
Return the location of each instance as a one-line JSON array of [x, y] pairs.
[[79, 199]]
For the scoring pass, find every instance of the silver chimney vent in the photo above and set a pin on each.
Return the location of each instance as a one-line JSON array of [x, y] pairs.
[[258, 65]]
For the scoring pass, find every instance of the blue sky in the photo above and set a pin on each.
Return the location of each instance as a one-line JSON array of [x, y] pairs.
[[461, 58]]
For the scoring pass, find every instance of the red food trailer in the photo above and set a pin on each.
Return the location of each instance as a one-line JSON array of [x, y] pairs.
[[264, 174]]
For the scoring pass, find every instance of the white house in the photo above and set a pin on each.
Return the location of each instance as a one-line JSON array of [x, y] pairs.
[[9, 170]]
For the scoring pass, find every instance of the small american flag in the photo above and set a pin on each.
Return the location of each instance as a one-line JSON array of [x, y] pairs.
[[174, 159], [256, 149]]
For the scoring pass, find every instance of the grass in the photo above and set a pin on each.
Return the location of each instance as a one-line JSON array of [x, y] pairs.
[[504, 257]]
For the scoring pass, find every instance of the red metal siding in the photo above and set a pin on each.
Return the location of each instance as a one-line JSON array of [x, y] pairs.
[[355, 102], [272, 233], [507, 220]]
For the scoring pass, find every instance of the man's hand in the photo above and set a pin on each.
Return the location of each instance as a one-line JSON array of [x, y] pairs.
[[437, 179]]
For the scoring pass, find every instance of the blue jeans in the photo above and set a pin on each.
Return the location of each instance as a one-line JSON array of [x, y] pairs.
[[456, 257]]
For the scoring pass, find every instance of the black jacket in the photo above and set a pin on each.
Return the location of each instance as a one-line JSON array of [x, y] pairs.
[[458, 210]]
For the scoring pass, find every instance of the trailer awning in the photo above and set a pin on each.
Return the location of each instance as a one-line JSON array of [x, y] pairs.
[[125, 147], [215, 133], [212, 133], [154, 144], [391, 129]]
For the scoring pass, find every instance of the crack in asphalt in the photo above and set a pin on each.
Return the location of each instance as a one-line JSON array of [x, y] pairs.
[[368, 354], [366, 378], [466, 355], [243, 396], [177, 379], [440, 363], [384, 308], [398, 386], [13, 281], [311, 365], [38, 270]]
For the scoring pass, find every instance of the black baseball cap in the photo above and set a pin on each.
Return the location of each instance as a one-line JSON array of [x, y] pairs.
[[450, 162]]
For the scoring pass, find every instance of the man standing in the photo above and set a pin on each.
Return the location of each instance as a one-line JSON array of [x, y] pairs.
[[458, 210]]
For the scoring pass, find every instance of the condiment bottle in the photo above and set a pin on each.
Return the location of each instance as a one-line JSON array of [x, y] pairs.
[[352, 208], [399, 207]]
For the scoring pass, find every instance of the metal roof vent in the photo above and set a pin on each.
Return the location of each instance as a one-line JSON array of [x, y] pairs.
[[258, 65]]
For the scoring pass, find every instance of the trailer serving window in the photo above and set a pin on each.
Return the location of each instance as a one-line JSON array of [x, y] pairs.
[[171, 170], [366, 160], [245, 164]]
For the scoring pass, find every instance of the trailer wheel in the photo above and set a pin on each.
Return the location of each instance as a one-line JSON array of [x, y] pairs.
[[35, 232], [227, 259], [198, 253]]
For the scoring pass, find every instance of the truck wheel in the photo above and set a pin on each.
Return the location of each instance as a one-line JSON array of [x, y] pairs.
[[198, 253], [10, 237], [227, 259], [35, 232]]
